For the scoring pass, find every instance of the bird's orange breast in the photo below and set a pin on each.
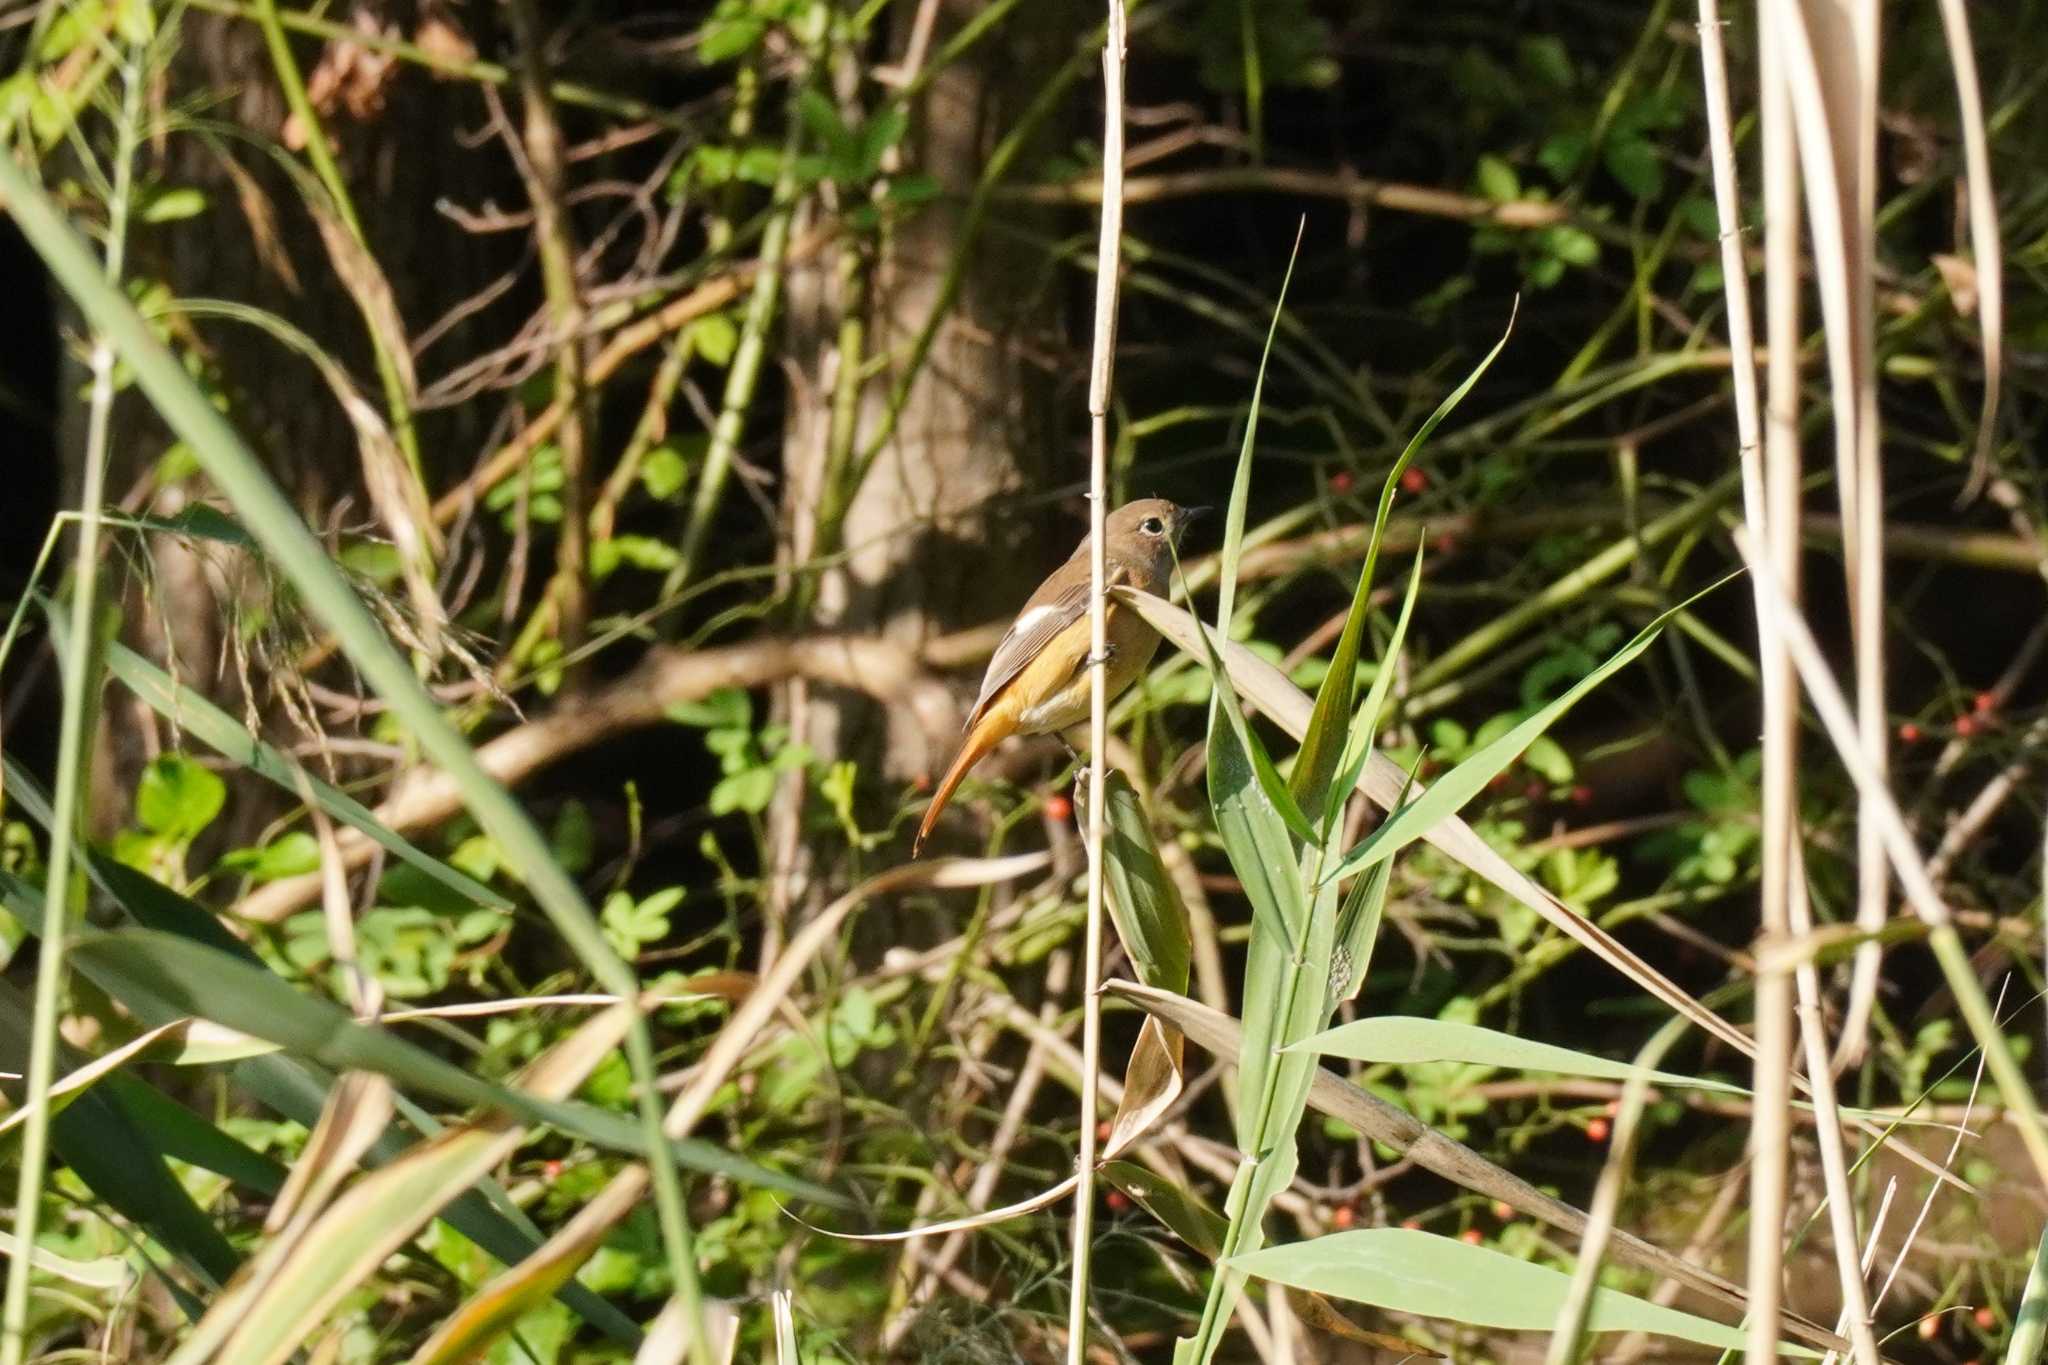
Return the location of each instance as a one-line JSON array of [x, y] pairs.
[[1051, 693]]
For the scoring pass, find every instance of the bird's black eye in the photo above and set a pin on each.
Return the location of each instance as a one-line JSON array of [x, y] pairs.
[[1152, 526]]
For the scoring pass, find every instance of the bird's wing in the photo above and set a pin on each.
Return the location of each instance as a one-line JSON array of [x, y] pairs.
[[1043, 617]]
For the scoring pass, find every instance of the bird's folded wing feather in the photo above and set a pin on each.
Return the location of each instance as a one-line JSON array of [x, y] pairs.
[[1043, 618]]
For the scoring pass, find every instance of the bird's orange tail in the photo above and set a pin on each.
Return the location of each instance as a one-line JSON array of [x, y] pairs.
[[982, 738]]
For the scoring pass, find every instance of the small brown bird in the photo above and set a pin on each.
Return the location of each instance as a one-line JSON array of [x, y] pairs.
[[1037, 683]]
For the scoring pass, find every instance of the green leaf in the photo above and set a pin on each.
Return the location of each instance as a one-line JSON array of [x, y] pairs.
[[1150, 920], [1497, 180], [171, 205], [292, 854], [663, 472], [1633, 161], [178, 797], [1408, 1271], [716, 337], [1470, 777]]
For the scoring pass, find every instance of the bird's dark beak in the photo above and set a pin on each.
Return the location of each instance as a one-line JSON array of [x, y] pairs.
[[1190, 515]]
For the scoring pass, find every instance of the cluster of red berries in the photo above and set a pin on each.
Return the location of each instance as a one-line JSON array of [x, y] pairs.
[[1413, 480], [1983, 710]]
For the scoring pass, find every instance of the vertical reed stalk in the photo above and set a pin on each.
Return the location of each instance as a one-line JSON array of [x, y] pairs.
[[81, 661], [1771, 1134], [1108, 257]]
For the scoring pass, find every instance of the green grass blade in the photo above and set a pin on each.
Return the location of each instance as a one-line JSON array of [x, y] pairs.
[[178, 977], [1450, 792], [1358, 929], [196, 716], [2030, 1325], [1323, 743], [227, 460], [1408, 1271], [1150, 920], [1241, 482], [1365, 726], [116, 1157]]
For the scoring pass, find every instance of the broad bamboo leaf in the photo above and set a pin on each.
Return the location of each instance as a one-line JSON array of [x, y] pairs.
[[1184, 1212], [1408, 1271], [1150, 920]]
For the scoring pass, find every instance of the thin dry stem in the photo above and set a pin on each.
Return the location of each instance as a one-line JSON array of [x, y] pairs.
[[1108, 267]]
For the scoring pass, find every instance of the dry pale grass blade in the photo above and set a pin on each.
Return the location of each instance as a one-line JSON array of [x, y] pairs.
[[1222, 1036], [357, 1112], [1153, 1079], [1833, 710], [785, 1329], [968, 1223], [282, 1297], [1987, 252], [472, 1329], [182, 1042], [1770, 1134], [1827, 61], [668, 1336], [1383, 783]]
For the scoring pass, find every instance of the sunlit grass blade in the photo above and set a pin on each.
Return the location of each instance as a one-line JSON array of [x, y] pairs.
[[1241, 483], [1409, 1271], [1324, 741], [185, 978], [196, 716], [1223, 1037], [116, 1157], [476, 1327], [1450, 792], [302, 1276], [270, 517], [2030, 1324], [1358, 929], [1365, 725]]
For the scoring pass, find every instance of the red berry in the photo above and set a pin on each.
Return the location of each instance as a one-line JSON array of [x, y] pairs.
[[923, 782], [1986, 1319], [1929, 1328], [1343, 1216], [1503, 1210], [551, 1169], [1102, 1131], [1582, 795], [1413, 480], [1412, 1224], [1340, 482], [1967, 726], [1985, 703], [1596, 1130], [1536, 790], [1909, 733], [1470, 1237], [1118, 1201], [1059, 808], [1500, 782], [1446, 544]]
